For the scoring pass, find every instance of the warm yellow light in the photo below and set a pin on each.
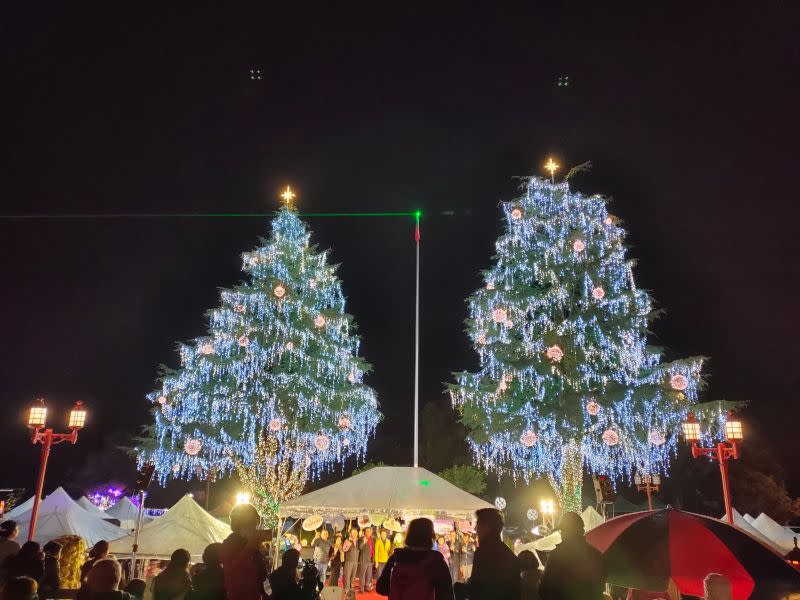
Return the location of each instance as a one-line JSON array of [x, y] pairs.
[[288, 197], [242, 498], [691, 429], [551, 166], [733, 429], [77, 416], [548, 507], [37, 415]]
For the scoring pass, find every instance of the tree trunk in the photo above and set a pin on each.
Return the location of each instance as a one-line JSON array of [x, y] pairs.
[[568, 483]]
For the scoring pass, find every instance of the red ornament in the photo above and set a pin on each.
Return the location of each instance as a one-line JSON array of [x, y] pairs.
[[592, 407]]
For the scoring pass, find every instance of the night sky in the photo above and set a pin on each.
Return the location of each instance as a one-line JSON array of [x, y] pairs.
[[687, 112]]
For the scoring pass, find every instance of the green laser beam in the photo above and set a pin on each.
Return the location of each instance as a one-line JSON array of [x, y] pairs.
[[417, 214]]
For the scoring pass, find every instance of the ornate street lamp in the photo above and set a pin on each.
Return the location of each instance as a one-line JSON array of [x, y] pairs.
[[649, 484], [37, 417], [722, 452]]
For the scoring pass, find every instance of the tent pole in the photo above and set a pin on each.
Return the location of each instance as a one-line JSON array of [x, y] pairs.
[[416, 353], [136, 533]]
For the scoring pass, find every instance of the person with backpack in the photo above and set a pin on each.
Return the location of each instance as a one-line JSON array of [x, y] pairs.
[[416, 571]]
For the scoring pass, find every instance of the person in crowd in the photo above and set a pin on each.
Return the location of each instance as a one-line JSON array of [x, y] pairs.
[[103, 581], [283, 580], [51, 580], [29, 562], [350, 551], [529, 575], [136, 588], [322, 550], [366, 560], [468, 556], [209, 583], [456, 547], [98, 552], [19, 588], [242, 565], [383, 548], [716, 587], [336, 558], [9, 546], [443, 549], [495, 570], [174, 583], [574, 570], [416, 571]]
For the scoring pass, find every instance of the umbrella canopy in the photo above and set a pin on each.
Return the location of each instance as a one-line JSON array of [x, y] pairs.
[[645, 550], [392, 491], [185, 525]]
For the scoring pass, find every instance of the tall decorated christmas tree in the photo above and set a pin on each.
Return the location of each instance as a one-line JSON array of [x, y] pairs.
[[566, 377], [276, 385]]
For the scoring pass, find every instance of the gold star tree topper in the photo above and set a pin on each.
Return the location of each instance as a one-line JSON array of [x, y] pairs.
[[551, 166], [288, 198]]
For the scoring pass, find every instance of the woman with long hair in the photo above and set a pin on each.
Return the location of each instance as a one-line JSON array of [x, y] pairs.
[[173, 583], [417, 571]]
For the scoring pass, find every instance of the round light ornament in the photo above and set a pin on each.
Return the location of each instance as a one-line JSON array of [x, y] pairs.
[[162, 400], [490, 285], [207, 348], [275, 424], [322, 443], [482, 339], [345, 442], [528, 438], [192, 446], [532, 514], [598, 293], [279, 291], [608, 221], [678, 382], [253, 261], [176, 468], [500, 503], [351, 377], [592, 407], [508, 323], [344, 423], [244, 341], [579, 245], [312, 284], [610, 437], [239, 308], [289, 346], [657, 437], [499, 315], [319, 321], [554, 353], [516, 213]]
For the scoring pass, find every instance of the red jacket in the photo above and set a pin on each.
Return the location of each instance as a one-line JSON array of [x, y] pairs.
[[243, 568]]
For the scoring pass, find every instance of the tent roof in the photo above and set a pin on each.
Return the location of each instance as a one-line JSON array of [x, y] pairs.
[[124, 510], [61, 515], [743, 525], [19, 509], [390, 490], [773, 531], [185, 525], [87, 505]]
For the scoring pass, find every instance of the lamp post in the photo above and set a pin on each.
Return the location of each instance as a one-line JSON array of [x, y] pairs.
[[46, 437], [722, 452], [548, 510], [649, 484]]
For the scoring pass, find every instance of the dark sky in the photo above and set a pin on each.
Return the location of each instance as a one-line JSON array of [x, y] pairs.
[[687, 111]]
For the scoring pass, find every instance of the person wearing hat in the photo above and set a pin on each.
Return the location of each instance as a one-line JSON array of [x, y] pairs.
[[8, 545]]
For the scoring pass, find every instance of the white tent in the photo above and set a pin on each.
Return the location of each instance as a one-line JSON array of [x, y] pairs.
[[185, 525], [61, 515], [742, 524], [780, 536], [19, 509], [87, 505], [591, 519], [126, 513], [749, 518], [394, 491]]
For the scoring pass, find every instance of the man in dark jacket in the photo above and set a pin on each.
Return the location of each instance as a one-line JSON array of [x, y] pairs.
[[574, 570], [350, 550], [495, 572], [283, 580], [366, 558]]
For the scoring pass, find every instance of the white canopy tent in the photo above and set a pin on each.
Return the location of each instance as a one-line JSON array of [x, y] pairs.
[[780, 536], [61, 515], [185, 525], [19, 509], [126, 513], [591, 519], [87, 505], [393, 491], [743, 524]]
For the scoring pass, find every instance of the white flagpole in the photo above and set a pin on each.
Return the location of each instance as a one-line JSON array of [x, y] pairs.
[[416, 355]]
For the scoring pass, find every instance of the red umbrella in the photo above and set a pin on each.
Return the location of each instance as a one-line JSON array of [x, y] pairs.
[[645, 550]]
